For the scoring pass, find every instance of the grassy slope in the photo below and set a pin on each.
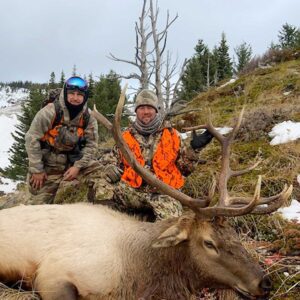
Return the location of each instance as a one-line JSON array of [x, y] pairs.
[[271, 95]]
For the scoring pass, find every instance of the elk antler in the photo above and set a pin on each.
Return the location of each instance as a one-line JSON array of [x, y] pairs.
[[227, 206]]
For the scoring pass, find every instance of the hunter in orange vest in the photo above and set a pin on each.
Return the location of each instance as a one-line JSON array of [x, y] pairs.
[[157, 146]]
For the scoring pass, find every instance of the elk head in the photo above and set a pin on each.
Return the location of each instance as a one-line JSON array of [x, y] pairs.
[[214, 246]]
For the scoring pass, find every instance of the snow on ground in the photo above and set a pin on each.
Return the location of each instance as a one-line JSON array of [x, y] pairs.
[[292, 212], [9, 97], [7, 126], [285, 132], [8, 185]]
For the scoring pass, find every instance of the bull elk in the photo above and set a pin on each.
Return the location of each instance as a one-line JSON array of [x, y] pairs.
[[82, 251]]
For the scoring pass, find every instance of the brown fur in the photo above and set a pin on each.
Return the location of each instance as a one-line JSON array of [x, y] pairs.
[[96, 253]]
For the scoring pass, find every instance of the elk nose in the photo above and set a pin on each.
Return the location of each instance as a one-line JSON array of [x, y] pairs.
[[266, 284]]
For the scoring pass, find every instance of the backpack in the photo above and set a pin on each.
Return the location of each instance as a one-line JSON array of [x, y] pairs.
[[53, 97]]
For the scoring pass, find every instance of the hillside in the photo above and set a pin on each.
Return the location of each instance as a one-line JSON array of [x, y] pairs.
[[270, 95]]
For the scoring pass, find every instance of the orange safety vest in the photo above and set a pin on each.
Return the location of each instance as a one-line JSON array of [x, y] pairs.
[[52, 133], [163, 162]]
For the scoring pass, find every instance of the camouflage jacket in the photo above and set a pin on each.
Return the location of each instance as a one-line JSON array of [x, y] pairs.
[[42, 122], [185, 162]]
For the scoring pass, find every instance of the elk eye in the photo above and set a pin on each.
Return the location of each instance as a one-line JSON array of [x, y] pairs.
[[210, 245]]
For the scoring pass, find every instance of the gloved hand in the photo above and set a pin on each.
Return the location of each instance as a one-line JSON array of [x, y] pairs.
[[201, 140], [112, 173]]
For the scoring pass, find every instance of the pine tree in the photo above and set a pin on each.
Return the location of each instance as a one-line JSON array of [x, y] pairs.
[[106, 96], [91, 83], [289, 37], [198, 73], [243, 53], [52, 84], [62, 79], [74, 71], [224, 69], [19, 159]]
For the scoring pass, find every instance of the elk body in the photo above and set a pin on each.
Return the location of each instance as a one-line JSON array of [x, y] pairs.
[[82, 251]]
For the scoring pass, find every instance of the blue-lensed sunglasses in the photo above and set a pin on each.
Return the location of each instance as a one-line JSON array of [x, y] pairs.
[[76, 83]]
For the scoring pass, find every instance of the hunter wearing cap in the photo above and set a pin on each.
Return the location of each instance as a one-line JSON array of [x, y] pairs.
[[61, 142], [158, 147]]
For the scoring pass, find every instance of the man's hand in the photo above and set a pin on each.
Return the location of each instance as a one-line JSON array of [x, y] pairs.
[[112, 173], [201, 140], [37, 180], [71, 173]]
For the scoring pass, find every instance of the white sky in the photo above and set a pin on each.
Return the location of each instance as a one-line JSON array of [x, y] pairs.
[[38, 37]]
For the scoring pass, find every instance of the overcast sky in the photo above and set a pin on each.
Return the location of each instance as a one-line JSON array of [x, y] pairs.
[[41, 36]]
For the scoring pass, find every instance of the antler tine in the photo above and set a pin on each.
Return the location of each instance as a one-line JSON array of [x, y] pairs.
[[101, 119], [237, 125], [230, 211], [266, 204], [194, 204]]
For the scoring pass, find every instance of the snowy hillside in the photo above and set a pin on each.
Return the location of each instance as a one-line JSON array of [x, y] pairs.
[[10, 107], [9, 97]]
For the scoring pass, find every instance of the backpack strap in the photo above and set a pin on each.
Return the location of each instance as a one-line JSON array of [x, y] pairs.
[[58, 113], [86, 118]]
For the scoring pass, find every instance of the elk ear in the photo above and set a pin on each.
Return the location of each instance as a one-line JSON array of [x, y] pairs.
[[171, 237]]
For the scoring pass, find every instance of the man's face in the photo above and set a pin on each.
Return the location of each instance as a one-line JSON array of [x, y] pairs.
[[145, 114], [75, 97]]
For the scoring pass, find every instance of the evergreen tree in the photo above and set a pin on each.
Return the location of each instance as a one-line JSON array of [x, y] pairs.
[[91, 83], [198, 73], [62, 79], [289, 37], [243, 53], [52, 84], [74, 71], [18, 159], [224, 64], [106, 96]]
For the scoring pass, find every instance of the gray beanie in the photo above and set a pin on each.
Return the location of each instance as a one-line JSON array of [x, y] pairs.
[[146, 97]]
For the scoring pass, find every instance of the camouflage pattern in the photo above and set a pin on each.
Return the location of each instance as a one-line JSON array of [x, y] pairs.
[[46, 195], [146, 196], [162, 206], [52, 161]]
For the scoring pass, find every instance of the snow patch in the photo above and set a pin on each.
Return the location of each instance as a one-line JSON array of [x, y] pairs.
[[291, 212], [285, 132]]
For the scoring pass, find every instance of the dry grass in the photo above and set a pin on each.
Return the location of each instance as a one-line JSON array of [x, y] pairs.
[[7, 293]]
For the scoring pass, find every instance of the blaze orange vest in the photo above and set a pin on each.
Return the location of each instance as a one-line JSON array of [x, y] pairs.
[[53, 132], [163, 162]]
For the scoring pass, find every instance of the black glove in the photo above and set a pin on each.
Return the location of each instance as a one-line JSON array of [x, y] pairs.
[[112, 173], [201, 140]]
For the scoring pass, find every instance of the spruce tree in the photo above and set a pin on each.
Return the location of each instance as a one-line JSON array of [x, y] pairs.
[[289, 37], [52, 84], [243, 53], [106, 96], [19, 159], [74, 71], [62, 79], [91, 83], [198, 74], [224, 64]]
